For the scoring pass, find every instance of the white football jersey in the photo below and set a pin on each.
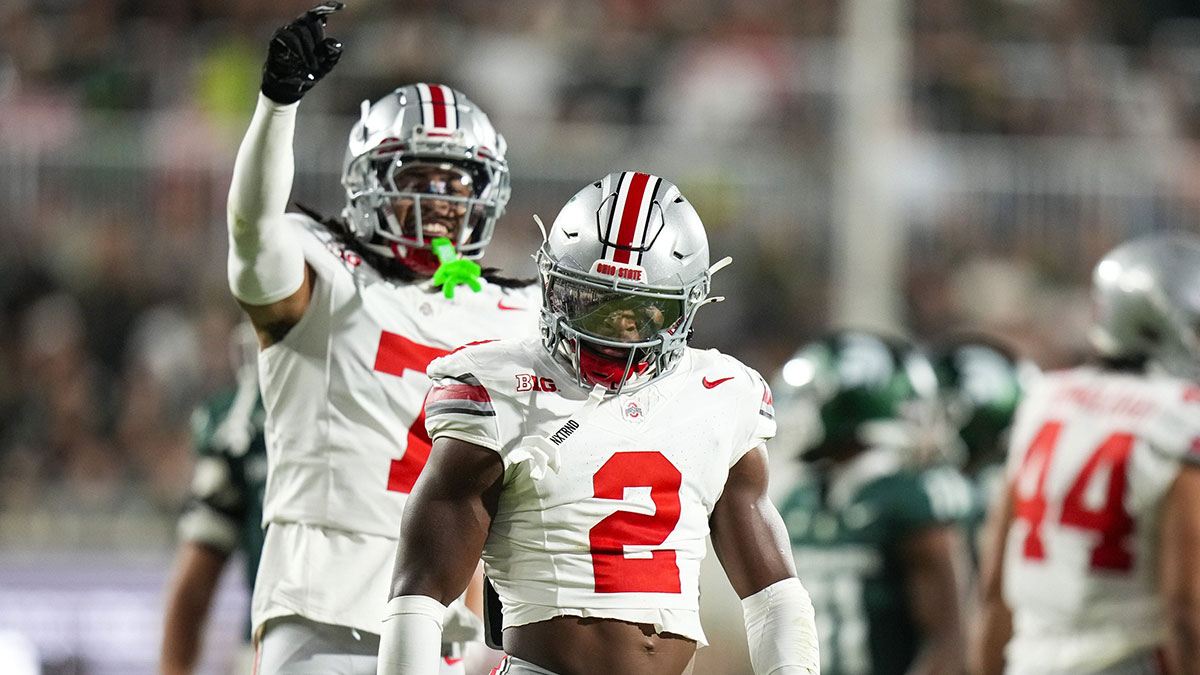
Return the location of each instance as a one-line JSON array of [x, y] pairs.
[[1092, 455], [606, 500], [345, 435]]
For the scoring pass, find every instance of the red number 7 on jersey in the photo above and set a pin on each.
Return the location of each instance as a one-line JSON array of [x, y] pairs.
[[395, 355], [1111, 520]]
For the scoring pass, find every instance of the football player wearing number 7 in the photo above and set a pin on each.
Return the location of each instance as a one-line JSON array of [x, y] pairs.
[[588, 467], [349, 312], [1092, 558]]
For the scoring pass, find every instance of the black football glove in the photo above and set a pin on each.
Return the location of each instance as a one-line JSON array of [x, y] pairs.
[[300, 54]]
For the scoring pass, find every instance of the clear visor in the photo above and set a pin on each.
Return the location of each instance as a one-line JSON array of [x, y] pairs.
[[432, 200], [612, 315], [445, 180]]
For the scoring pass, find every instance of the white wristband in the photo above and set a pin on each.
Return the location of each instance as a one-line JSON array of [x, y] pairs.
[[411, 640], [781, 630]]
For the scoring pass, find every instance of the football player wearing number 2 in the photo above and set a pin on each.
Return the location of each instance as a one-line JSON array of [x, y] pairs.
[[349, 312], [588, 467], [1092, 558]]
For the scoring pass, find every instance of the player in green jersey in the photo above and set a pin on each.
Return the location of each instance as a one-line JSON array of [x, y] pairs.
[[876, 535], [223, 513], [980, 383]]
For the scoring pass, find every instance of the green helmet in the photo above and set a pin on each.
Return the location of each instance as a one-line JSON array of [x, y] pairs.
[[980, 383], [858, 386]]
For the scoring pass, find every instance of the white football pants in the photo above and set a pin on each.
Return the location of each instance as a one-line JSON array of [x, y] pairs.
[[293, 645]]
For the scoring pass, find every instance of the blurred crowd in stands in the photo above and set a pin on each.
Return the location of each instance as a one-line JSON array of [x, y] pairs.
[[115, 316]]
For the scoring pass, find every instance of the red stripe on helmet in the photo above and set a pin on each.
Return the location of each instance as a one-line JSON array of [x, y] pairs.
[[438, 97], [629, 216]]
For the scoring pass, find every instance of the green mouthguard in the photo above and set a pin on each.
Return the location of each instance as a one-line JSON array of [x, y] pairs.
[[454, 271]]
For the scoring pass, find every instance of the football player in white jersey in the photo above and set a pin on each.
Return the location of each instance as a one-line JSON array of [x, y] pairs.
[[588, 466], [349, 312], [1092, 559]]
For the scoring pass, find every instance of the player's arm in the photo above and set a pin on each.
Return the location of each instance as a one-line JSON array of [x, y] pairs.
[[994, 628], [752, 544], [208, 535], [1179, 561], [266, 267], [198, 568], [934, 564], [449, 513]]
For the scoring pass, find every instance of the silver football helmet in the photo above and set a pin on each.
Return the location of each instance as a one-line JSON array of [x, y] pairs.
[[1147, 303], [424, 162], [623, 271]]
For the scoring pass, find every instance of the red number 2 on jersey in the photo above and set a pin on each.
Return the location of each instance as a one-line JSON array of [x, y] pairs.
[[395, 355], [616, 573], [1111, 520]]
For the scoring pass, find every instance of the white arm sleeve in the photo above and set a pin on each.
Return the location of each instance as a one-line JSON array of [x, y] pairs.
[[781, 630], [411, 640], [266, 263]]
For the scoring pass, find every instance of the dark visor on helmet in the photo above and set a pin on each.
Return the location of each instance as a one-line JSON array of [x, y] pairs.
[[612, 315]]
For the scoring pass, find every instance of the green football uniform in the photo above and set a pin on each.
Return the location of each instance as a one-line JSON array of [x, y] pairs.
[[224, 506], [987, 483], [846, 528]]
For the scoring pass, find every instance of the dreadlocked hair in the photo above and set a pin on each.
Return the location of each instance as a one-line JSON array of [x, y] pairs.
[[391, 268]]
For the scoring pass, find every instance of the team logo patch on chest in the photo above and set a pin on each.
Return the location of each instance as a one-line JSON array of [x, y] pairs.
[[637, 407], [531, 382], [632, 412]]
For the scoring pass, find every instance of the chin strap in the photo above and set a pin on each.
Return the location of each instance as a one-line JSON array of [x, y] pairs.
[[454, 271]]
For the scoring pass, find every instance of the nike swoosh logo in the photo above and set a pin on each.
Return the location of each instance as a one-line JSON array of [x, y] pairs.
[[709, 384], [450, 661], [501, 305]]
